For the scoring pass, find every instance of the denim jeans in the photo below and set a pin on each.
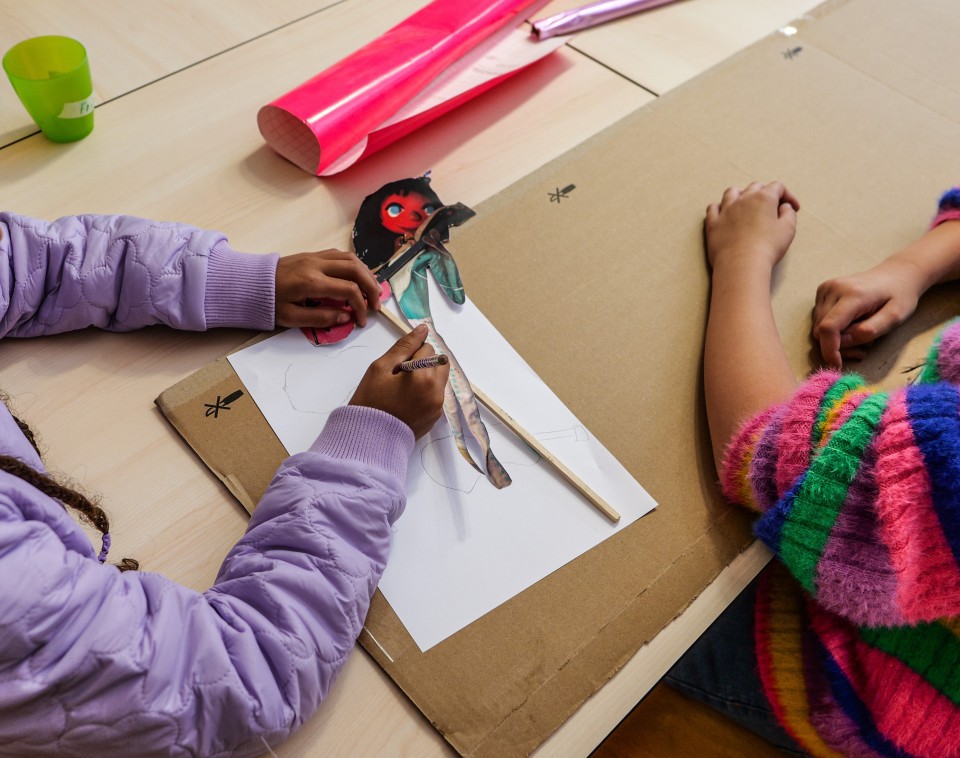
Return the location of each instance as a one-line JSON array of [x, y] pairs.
[[720, 669]]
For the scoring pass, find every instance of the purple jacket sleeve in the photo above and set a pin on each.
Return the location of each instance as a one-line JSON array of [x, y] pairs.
[[124, 272], [98, 662]]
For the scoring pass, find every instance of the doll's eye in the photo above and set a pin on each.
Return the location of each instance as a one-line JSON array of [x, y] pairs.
[[429, 209], [394, 210]]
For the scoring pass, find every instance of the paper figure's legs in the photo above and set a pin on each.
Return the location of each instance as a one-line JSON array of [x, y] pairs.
[[464, 401], [413, 296], [451, 409], [451, 406]]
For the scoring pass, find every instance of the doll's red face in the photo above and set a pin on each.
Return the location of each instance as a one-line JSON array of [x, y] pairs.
[[403, 214]]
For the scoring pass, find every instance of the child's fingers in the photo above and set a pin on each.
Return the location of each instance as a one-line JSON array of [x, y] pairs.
[[290, 314], [366, 281], [852, 324], [348, 269], [349, 292], [782, 194], [329, 274], [787, 212], [424, 351], [788, 197], [829, 341], [827, 296], [729, 196], [827, 330], [866, 331], [409, 345]]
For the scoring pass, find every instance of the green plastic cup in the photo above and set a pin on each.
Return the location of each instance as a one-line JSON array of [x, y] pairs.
[[51, 76]]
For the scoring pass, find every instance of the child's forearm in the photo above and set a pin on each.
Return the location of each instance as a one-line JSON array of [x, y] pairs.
[[745, 365], [935, 256], [123, 272]]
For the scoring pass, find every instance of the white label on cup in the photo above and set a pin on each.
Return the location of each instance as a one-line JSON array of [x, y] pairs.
[[78, 109]]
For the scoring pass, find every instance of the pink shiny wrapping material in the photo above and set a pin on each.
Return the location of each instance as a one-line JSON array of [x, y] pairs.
[[577, 19], [343, 104]]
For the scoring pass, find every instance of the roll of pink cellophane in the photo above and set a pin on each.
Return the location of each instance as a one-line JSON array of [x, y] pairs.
[[324, 118]]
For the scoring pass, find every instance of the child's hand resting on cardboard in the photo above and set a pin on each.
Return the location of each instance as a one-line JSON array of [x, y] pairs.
[[329, 275], [751, 226], [852, 311]]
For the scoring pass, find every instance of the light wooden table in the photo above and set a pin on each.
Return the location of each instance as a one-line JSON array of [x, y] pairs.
[[175, 138]]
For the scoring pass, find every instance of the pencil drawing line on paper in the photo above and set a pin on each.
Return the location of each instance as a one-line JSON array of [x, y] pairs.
[[578, 433], [523, 455], [302, 391]]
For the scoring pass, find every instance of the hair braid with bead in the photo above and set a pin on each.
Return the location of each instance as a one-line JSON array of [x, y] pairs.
[[89, 510]]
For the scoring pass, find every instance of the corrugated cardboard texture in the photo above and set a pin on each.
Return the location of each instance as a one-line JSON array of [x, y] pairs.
[[235, 442], [604, 292]]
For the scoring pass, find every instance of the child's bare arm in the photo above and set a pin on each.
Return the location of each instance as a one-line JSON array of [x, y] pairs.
[[745, 365], [853, 311]]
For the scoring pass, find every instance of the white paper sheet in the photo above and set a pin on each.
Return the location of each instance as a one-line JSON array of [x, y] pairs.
[[462, 547]]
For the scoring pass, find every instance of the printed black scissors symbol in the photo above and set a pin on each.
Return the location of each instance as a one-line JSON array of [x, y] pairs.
[[792, 53], [213, 409], [557, 195]]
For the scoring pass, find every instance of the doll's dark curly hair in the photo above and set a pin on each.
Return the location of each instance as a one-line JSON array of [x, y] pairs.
[[373, 243]]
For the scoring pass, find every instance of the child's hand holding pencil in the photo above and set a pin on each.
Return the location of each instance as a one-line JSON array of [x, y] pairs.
[[413, 396]]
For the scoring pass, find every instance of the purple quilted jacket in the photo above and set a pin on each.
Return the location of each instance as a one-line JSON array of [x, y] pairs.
[[98, 662]]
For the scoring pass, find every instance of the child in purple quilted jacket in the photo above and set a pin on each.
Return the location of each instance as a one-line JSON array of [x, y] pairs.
[[96, 660]]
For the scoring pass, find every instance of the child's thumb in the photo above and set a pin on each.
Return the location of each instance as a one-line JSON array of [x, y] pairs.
[[404, 348]]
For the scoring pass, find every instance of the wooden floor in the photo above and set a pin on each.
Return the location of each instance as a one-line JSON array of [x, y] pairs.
[[666, 724]]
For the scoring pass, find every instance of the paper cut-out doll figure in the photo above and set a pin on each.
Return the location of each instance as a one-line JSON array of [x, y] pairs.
[[400, 233]]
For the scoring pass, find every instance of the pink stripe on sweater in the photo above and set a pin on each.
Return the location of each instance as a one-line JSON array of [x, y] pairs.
[[906, 709], [928, 583], [735, 481], [948, 355], [832, 723], [951, 215], [798, 421]]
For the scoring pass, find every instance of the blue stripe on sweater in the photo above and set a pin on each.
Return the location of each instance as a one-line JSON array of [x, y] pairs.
[[769, 527], [950, 200], [854, 708], [934, 412]]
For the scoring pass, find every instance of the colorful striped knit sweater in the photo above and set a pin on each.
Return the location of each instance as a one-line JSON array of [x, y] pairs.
[[859, 497]]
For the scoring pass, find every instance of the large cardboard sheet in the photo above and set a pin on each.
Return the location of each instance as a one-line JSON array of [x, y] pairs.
[[599, 254]]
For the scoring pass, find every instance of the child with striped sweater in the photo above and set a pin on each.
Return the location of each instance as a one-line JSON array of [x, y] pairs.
[[853, 633]]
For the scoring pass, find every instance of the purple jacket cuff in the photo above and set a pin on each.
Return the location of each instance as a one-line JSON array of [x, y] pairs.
[[241, 289], [367, 435]]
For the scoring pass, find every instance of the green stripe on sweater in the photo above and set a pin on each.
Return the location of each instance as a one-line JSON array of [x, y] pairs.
[[931, 650], [830, 398], [824, 490], [931, 367]]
